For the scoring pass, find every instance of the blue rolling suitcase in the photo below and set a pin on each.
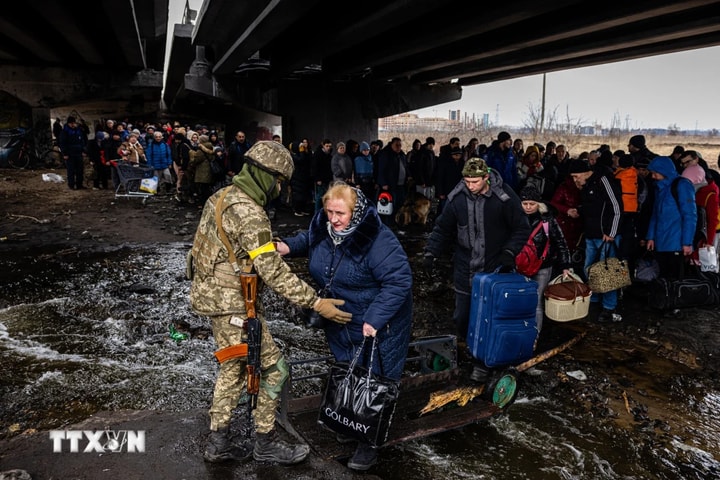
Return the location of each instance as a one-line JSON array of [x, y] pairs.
[[502, 328]]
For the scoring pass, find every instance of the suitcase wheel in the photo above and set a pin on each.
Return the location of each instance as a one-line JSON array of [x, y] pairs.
[[503, 388]]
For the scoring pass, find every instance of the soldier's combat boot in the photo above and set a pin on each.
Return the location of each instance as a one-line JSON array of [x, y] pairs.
[[221, 448], [270, 448]]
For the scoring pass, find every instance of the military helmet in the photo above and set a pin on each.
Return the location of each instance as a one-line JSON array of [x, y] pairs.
[[272, 157]]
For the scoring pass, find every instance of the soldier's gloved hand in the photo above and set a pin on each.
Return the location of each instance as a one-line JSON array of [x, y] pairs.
[[428, 262], [507, 261], [327, 307]]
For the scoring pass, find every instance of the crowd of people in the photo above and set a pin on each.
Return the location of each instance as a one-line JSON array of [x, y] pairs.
[[490, 201], [617, 197]]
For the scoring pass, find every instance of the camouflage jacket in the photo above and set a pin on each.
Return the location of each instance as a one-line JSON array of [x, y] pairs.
[[216, 286]]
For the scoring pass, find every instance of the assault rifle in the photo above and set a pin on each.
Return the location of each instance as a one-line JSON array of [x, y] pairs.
[[248, 281]]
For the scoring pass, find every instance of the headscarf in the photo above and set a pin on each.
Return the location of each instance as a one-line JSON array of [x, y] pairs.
[[359, 211]]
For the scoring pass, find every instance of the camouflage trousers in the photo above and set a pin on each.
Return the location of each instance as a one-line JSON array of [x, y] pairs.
[[231, 381]]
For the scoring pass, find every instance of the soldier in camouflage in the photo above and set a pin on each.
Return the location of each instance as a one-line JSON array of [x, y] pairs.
[[216, 292]]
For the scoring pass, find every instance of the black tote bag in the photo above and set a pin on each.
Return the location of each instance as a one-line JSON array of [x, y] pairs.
[[358, 403]]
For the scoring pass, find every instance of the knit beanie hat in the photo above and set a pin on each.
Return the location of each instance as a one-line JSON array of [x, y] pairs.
[[579, 166], [530, 193]]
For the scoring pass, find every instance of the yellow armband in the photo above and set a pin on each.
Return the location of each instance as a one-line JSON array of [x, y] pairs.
[[268, 247]]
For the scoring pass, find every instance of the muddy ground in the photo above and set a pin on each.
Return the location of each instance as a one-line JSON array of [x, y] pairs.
[[637, 368]]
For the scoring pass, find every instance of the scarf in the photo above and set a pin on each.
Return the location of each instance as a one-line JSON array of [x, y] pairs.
[[258, 184], [359, 211]]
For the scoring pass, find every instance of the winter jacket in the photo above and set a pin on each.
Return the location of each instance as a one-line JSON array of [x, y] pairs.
[[481, 228], [707, 197], [392, 167], [320, 169], [601, 204], [567, 196], [236, 155], [200, 163], [558, 252], [672, 223], [73, 141], [342, 167], [629, 184], [505, 163], [449, 173], [363, 169], [372, 274], [158, 155]]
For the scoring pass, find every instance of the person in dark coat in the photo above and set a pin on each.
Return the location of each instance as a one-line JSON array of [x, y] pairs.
[[321, 171], [393, 173], [449, 173], [96, 154], [483, 223], [73, 144], [301, 181], [236, 153], [601, 209], [558, 254], [353, 256]]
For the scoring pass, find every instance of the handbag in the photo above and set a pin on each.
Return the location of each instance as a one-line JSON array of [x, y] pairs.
[[527, 261], [708, 259], [608, 274], [357, 402]]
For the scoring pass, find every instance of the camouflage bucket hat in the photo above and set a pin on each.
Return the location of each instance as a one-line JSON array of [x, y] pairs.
[[273, 157], [475, 167]]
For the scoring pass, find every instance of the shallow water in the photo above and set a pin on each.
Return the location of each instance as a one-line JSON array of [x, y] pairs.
[[84, 332]]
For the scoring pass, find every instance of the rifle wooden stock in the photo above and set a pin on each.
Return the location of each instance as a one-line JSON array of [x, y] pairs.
[[248, 282]]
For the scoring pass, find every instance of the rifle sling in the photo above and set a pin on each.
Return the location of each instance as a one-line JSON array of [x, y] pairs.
[[223, 236], [233, 351]]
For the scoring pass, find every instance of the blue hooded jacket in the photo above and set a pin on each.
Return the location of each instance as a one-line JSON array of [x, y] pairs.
[[669, 213]]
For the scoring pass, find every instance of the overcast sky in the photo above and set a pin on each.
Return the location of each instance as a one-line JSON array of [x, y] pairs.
[[675, 89], [680, 89]]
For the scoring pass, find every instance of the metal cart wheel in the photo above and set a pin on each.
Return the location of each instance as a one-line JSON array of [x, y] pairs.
[[503, 388]]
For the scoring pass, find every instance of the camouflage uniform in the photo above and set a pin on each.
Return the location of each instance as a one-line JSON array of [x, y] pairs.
[[216, 292]]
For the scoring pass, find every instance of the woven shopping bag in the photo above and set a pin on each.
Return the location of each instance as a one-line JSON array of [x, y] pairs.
[[608, 274]]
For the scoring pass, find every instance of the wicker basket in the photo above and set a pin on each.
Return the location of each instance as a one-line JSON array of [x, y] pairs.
[[567, 299]]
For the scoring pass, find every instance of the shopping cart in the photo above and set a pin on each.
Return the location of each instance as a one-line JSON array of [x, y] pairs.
[[127, 178]]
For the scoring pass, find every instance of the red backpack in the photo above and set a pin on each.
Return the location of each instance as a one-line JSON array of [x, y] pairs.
[[528, 262]]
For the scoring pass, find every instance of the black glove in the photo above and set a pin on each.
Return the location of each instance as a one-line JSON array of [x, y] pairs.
[[507, 261], [428, 262]]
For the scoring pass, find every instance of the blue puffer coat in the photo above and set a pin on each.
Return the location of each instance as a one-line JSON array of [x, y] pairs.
[[373, 276], [672, 223]]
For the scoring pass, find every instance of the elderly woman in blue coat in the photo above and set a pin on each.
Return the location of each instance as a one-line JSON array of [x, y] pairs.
[[352, 255]]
